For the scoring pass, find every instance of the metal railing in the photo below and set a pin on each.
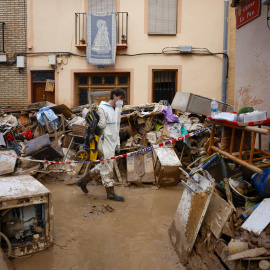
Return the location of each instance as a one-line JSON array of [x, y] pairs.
[[2, 37], [122, 28]]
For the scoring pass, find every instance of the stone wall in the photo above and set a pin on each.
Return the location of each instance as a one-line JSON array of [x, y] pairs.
[[13, 85]]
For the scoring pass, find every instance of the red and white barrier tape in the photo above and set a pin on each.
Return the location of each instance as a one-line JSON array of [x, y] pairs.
[[116, 157]]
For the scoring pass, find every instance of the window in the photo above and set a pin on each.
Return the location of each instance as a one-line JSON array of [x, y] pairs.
[[97, 82], [2, 32], [101, 6], [164, 85], [162, 17]]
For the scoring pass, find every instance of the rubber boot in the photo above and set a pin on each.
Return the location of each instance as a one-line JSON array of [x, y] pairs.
[[112, 196], [83, 182]]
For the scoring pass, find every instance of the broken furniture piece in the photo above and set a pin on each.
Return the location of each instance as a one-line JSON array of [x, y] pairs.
[[7, 162], [26, 215], [166, 165], [190, 214], [259, 219], [140, 168], [42, 149], [244, 159], [188, 102]]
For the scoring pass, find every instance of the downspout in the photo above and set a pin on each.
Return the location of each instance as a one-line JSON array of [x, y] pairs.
[[225, 41]]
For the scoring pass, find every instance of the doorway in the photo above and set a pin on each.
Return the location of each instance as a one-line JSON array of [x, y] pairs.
[[39, 90]]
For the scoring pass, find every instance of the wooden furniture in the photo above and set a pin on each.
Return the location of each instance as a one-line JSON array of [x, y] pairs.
[[242, 157]]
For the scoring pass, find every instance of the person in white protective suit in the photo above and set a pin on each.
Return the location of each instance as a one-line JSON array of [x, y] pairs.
[[109, 122]]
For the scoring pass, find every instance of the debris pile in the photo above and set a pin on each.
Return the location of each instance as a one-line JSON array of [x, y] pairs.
[[57, 133], [222, 221]]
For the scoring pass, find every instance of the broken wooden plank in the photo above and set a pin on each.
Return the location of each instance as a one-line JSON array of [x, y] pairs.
[[189, 216], [247, 254], [140, 168], [259, 219], [117, 171], [221, 249], [7, 162], [217, 214], [227, 230]]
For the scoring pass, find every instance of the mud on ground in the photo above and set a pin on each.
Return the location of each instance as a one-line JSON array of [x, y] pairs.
[[91, 232]]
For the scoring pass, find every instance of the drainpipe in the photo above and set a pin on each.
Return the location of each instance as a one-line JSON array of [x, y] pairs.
[[225, 41]]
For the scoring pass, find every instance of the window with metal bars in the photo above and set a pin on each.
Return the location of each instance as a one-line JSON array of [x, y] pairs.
[[164, 85]]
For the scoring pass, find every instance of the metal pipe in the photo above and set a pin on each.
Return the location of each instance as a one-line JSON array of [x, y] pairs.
[[225, 41]]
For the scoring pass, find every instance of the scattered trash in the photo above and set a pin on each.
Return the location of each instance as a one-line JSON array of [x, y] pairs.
[[223, 214]]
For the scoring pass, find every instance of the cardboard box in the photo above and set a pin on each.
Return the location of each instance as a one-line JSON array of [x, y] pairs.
[[166, 165]]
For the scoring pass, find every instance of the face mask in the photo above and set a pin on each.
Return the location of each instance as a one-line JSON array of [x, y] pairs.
[[119, 103]]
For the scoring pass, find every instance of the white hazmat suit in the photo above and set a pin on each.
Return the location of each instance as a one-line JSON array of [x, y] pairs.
[[109, 122]]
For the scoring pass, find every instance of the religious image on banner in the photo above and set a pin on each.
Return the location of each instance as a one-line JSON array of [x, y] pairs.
[[101, 39], [101, 42]]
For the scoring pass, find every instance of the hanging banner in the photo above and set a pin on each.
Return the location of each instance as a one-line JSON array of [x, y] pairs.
[[101, 39], [248, 12]]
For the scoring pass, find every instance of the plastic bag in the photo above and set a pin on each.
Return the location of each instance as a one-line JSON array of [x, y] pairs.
[[169, 116]]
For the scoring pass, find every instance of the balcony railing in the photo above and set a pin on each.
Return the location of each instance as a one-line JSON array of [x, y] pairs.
[[2, 37], [122, 28]]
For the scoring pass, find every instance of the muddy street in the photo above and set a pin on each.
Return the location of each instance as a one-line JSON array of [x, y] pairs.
[[91, 232]]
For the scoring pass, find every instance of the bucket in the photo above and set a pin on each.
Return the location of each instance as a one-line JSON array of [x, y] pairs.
[[262, 183], [239, 199]]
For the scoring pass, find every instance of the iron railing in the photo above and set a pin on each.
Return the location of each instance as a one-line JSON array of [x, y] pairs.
[[122, 28], [2, 37]]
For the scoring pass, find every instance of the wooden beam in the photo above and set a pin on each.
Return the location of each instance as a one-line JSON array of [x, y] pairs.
[[237, 160]]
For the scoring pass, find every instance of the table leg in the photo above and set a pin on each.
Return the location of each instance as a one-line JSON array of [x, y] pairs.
[[211, 143], [241, 144], [232, 140], [68, 148], [252, 147]]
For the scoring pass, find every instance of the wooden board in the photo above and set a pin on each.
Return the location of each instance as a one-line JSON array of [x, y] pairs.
[[20, 186], [189, 216], [259, 219], [217, 214], [248, 254], [140, 168], [7, 163]]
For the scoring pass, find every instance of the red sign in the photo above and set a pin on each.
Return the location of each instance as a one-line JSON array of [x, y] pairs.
[[246, 13]]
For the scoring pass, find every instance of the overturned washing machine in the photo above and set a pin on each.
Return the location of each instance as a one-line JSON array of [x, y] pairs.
[[25, 216]]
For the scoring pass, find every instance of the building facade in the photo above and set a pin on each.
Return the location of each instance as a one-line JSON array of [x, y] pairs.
[[13, 80], [171, 46]]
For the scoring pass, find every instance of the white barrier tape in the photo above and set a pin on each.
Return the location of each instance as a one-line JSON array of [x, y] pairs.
[[116, 157]]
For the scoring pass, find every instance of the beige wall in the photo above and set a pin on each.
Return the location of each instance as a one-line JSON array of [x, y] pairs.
[[51, 27]]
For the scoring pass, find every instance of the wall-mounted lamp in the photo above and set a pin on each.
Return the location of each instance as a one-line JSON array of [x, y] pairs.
[[20, 63]]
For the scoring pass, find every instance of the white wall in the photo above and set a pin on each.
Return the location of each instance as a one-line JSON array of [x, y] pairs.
[[252, 66]]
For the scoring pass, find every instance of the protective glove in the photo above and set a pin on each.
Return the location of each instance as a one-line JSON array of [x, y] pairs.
[[117, 149]]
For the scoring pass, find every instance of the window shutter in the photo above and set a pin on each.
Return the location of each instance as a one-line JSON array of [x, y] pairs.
[[101, 6], [162, 17]]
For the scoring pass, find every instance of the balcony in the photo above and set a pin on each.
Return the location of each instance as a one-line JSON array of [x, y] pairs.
[[122, 30], [2, 37]]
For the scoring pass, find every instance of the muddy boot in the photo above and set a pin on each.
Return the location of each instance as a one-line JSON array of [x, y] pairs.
[[83, 182], [112, 196]]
